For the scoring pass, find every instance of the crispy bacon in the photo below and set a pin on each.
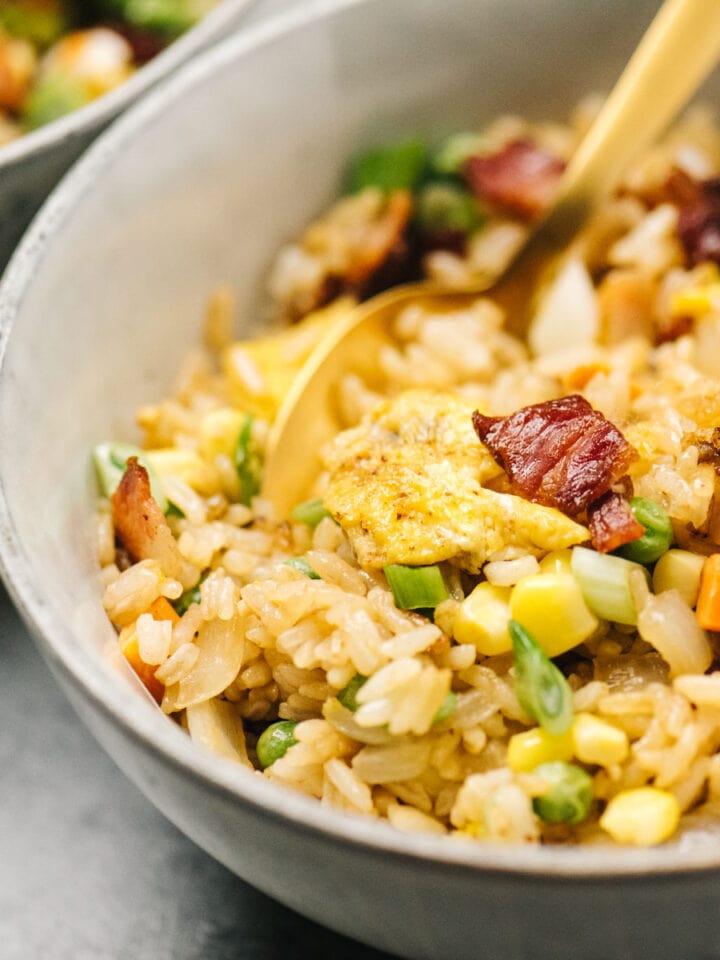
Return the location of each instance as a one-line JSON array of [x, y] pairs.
[[698, 203], [521, 178], [612, 523], [560, 453], [140, 524]]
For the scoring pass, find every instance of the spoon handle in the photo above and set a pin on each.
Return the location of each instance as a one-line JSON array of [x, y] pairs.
[[677, 52]]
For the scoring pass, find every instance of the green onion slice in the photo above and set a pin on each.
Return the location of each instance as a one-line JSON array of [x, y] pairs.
[[658, 534], [605, 583], [541, 689], [447, 707], [110, 465], [301, 564], [248, 462], [416, 588], [310, 513], [569, 793], [348, 694], [451, 155], [187, 599], [397, 166]]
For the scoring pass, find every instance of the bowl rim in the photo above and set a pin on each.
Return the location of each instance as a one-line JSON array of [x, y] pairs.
[[141, 721], [102, 110]]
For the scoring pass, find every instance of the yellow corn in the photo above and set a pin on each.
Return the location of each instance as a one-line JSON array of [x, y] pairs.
[[530, 748], [219, 432], [551, 607], [679, 570], [641, 817], [557, 561], [187, 465], [597, 741], [695, 301], [482, 620]]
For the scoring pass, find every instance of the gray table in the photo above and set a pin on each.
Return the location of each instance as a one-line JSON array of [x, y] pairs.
[[89, 870]]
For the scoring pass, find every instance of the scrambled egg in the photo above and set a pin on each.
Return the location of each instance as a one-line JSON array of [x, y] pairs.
[[408, 486]]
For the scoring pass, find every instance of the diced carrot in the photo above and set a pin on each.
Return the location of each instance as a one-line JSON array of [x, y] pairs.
[[708, 603], [131, 651], [159, 609], [162, 609], [579, 377]]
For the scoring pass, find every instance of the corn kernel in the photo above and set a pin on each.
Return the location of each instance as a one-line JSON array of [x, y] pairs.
[[482, 620], [551, 607], [219, 432], [527, 750], [597, 741], [641, 817], [557, 561], [695, 301], [186, 465], [679, 570]]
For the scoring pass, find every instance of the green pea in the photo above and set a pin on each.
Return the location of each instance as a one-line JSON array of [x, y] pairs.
[[348, 694], [275, 741], [447, 207], [569, 793], [658, 534]]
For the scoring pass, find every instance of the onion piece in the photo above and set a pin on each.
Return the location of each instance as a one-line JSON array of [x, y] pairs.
[[667, 623]]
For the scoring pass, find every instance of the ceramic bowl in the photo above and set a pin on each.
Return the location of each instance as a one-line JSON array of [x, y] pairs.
[[96, 311], [31, 166]]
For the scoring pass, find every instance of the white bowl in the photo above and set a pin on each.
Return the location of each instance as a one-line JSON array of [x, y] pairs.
[[31, 166], [97, 309]]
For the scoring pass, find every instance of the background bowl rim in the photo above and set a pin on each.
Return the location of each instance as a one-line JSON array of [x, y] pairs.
[[138, 720], [103, 109]]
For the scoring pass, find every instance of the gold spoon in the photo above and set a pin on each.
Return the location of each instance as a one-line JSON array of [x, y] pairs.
[[679, 49]]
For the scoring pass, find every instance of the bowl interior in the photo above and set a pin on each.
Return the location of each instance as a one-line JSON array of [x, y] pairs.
[[198, 186]]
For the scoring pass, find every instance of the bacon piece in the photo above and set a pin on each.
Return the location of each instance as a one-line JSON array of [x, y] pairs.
[[140, 524], [612, 523], [560, 453], [521, 178], [698, 203]]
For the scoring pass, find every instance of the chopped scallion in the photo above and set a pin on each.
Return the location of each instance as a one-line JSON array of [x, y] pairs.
[[348, 694], [397, 166], [541, 689], [450, 156], [605, 584], [416, 588], [187, 599], [447, 707], [310, 513], [248, 462], [110, 465], [301, 564], [658, 534]]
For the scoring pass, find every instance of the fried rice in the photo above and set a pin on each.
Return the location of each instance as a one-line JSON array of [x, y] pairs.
[[245, 619]]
